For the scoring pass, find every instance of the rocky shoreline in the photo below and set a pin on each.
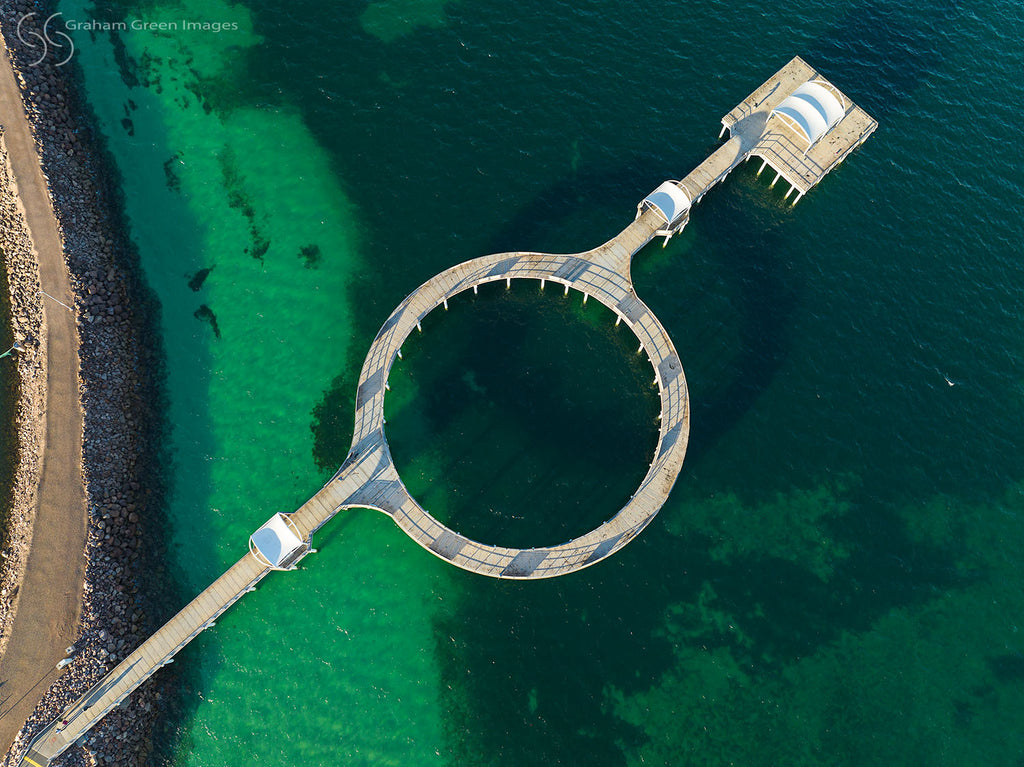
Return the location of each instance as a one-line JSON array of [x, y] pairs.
[[126, 593]]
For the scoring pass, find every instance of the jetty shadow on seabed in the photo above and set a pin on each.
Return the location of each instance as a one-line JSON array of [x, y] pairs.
[[530, 643], [544, 655]]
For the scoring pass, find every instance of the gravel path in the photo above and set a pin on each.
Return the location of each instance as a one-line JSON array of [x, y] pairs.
[[84, 566]]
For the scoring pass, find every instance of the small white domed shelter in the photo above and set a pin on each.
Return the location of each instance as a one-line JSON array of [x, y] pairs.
[[277, 544], [811, 110], [672, 203]]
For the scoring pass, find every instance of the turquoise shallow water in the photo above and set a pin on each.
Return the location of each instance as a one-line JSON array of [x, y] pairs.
[[834, 579]]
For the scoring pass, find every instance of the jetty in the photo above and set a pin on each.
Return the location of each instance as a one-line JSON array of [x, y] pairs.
[[797, 123]]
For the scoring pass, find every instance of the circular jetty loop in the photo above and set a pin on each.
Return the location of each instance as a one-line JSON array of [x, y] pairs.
[[370, 475]]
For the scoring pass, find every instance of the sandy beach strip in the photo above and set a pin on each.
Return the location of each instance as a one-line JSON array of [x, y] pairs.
[[85, 566]]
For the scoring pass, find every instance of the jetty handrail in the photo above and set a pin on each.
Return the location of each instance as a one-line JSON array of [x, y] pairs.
[[156, 652]]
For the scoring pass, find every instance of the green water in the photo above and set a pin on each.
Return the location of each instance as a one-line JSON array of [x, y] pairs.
[[834, 579], [208, 191]]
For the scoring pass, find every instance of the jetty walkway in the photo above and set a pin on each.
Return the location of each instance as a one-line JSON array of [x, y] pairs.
[[796, 122]]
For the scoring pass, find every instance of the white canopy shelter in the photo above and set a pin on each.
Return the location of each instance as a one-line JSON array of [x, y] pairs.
[[671, 201], [276, 542]]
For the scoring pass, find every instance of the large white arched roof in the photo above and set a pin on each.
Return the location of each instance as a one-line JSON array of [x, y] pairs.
[[812, 110]]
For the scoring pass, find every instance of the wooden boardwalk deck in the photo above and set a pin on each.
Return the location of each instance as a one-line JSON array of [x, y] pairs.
[[601, 274], [151, 655], [368, 477]]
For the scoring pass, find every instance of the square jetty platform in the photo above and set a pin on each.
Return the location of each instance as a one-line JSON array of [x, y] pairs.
[[797, 122], [788, 143]]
